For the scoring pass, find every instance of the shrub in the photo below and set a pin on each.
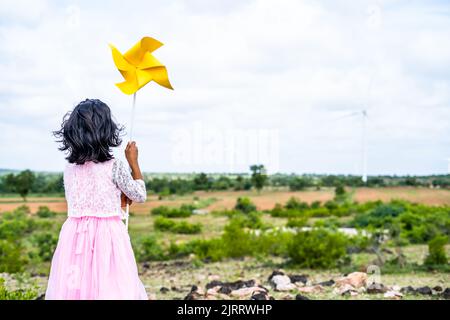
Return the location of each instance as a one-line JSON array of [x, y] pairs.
[[45, 212], [236, 241], [183, 212], [297, 222], [331, 205], [165, 224], [12, 257], [148, 249], [251, 220], [184, 227], [244, 205], [295, 204], [315, 204], [15, 225], [46, 244], [317, 249], [5, 294], [436, 251]]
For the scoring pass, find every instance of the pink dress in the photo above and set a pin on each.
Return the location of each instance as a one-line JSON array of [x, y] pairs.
[[94, 258]]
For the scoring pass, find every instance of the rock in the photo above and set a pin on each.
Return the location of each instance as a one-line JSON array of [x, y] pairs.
[[164, 290], [393, 295], [424, 290], [311, 289], [446, 293], [173, 288], [301, 297], [213, 284], [408, 290], [260, 296], [212, 291], [282, 283], [438, 288], [146, 265], [355, 279], [287, 297], [298, 278], [375, 288], [245, 292], [275, 273], [195, 294], [328, 283], [346, 289], [227, 287]]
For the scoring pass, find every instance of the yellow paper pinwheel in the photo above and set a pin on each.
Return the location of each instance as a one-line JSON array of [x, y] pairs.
[[138, 66]]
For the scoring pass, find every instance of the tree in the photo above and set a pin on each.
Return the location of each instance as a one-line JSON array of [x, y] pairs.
[[23, 183], [298, 184], [259, 177]]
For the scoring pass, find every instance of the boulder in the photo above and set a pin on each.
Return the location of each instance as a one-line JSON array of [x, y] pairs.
[[446, 293], [301, 297], [282, 283], [275, 273], [298, 278], [393, 295], [346, 289], [355, 279], [260, 295], [247, 292], [164, 290], [328, 283], [408, 290], [375, 288], [424, 290]]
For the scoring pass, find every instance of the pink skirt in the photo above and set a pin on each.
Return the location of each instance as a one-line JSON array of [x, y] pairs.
[[94, 260]]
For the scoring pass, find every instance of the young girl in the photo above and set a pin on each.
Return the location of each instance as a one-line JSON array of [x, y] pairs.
[[94, 258]]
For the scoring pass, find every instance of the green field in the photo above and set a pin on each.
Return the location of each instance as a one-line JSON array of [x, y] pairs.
[[170, 265]]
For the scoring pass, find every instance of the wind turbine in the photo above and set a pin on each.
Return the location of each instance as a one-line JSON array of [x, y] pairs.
[[364, 115]]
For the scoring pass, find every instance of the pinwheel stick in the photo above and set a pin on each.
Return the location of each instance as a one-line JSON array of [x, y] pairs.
[[131, 137]]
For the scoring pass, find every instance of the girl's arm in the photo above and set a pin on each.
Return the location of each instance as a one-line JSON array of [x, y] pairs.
[[132, 185]]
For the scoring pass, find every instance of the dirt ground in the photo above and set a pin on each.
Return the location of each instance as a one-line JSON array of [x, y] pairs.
[[264, 200]]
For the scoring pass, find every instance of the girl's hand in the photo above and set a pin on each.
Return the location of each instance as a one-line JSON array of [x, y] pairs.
[[124, 200], [131, 153]]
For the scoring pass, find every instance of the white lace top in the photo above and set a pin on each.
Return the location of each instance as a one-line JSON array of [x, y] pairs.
[[94, 189]]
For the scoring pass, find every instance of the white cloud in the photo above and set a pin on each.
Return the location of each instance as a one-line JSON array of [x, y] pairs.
[[293, 66]]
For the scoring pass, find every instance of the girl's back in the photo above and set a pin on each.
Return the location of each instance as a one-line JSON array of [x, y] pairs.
[[94, 258]]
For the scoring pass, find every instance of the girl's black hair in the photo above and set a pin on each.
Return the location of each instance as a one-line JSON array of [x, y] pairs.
[[88, 133]]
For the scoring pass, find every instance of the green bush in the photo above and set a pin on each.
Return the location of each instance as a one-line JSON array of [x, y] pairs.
[[244, 205], [183, 227], [148, 249], [46, 244], [436, 251], [295, 204], [236, 241], [297, 222], [182, 212], [5, 294], [318, 248], [12, 256], [45, 212], [251, 220]]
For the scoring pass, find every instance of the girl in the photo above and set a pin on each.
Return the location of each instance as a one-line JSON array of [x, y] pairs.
[[94, 258]]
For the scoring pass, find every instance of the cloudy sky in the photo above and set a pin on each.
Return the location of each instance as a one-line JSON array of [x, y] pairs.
[[278, 82]]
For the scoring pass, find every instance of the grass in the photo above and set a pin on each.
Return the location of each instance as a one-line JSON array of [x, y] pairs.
[[183, 273]]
